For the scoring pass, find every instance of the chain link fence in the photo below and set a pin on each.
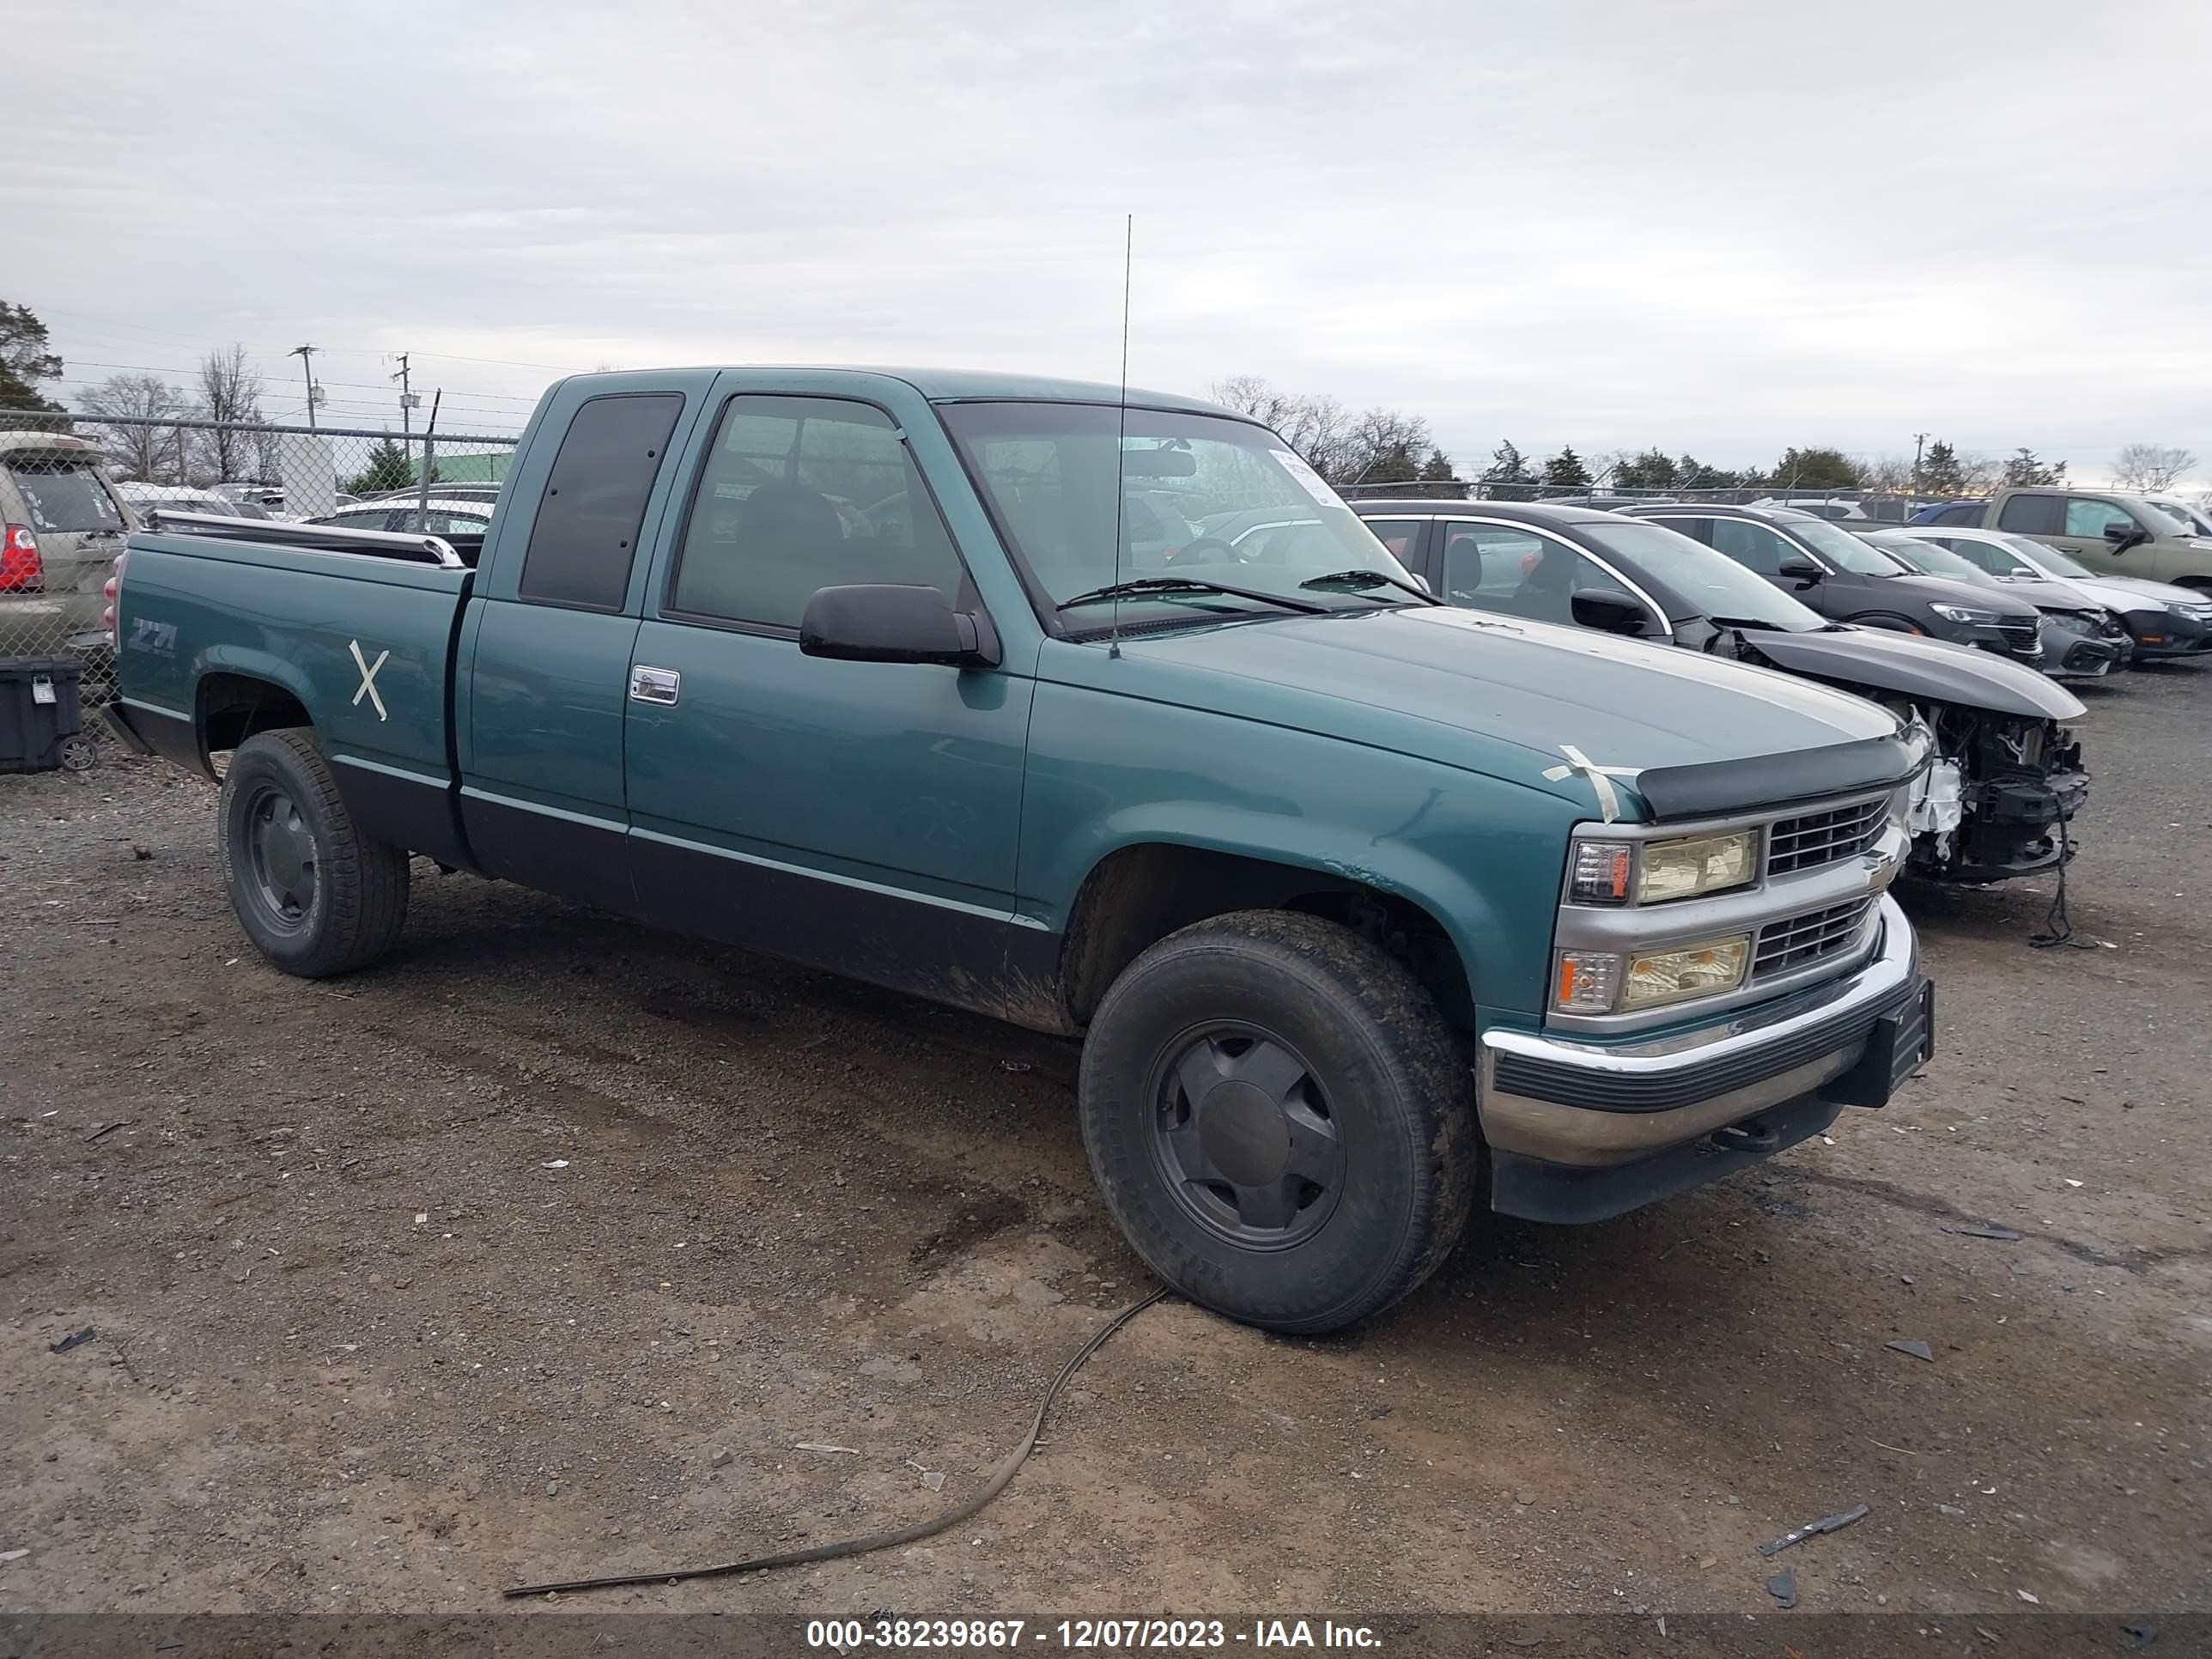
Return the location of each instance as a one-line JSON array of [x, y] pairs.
[[72, 488]]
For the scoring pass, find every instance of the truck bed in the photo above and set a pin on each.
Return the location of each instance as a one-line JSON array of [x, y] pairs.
[[362, 637]]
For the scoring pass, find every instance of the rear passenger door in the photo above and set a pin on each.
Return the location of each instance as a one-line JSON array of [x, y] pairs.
[[860, 816], [547, 641]]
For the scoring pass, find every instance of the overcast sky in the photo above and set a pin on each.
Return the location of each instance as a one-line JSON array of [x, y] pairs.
[[1722, 226]]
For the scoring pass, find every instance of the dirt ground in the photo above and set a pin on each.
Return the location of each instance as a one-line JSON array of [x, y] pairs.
[[540, 1250]]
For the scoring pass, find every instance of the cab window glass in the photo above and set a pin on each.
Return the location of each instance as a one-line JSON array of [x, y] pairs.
[[1754, 546], [584, 536], [2031, 515], [1492, 568], [2085, 517], [801, 494]]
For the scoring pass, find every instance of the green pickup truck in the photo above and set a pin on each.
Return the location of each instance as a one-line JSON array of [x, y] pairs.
[[1109, 719]]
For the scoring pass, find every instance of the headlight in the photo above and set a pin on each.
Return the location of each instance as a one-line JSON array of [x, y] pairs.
[[1688, 970], [1654, 871], [1597, 981], [2194, 612], [1967, 615]]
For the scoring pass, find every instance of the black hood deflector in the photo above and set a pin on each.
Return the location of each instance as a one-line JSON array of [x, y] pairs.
[[1713, 787]]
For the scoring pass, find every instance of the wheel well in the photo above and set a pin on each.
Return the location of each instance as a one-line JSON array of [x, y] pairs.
[[1140, 894], [2199, 584], [233, 707]]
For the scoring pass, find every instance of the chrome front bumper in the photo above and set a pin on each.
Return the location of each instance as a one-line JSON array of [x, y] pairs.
[[1593, 1104]]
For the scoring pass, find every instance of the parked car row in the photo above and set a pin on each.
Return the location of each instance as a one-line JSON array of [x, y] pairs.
[[1733, 581]]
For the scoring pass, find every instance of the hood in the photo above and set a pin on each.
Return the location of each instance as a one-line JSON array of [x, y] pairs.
[[1881, 660], [1502, 696], [1942, 589], [2047, 595], [2134, 592]]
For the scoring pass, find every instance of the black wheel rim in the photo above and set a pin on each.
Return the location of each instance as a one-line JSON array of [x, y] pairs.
[[1244, 1136], [280, 861]]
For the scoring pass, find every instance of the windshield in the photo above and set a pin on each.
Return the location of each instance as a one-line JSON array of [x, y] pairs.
[[1932, 561], [1841, 547], [2050, 561], [61, 497], [2185, 517], [1210, 499], [1706, 583]]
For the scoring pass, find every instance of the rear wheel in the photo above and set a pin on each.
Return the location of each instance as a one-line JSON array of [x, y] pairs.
[[316, 897], [1279, 1120]]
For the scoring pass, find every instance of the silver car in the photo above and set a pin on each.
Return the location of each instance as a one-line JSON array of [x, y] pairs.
[[61, 525]]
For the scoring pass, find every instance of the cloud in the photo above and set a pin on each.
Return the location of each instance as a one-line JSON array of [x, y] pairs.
[[1721, 227]]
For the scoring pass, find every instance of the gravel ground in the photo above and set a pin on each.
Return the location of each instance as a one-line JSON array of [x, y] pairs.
[[551, 1246]]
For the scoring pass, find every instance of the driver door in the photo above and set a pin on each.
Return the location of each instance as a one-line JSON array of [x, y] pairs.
[[860, 816]]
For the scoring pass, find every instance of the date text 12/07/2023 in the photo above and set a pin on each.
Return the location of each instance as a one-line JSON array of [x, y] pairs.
[[850, 1635]]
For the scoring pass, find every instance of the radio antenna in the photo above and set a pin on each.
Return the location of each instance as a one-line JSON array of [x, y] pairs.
[[1121, 425]]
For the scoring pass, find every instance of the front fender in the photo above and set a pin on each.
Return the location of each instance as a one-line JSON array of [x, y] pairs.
[[1482, 856]]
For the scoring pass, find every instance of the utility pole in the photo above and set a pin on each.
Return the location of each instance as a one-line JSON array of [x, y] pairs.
[[408, 401], [306, 354], [1918, 439]]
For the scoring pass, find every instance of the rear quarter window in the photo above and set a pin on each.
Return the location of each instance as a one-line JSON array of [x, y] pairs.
[[2032, 515], [584, 536]]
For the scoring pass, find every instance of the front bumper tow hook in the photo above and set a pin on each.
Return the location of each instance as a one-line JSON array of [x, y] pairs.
[[1751, 1137]]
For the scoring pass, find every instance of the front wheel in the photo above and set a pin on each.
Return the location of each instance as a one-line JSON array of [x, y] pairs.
[[1277, 1118], [316, 895]]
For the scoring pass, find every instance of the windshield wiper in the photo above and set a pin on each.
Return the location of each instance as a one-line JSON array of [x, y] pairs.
[[1138, 587], [1356, 580]]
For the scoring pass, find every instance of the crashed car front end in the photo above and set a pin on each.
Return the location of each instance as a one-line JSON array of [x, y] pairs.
[[1997, 798]]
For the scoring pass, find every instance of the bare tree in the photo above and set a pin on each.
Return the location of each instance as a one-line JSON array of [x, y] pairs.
[[1889, 475], [148, 453], [1381, 446], [230, 393], [2151, 466]]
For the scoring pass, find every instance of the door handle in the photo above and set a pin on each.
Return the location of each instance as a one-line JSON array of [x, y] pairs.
[[658, 685]]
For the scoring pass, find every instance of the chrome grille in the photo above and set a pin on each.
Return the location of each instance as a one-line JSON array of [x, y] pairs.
[[1801, 941], [2018, 633], [1816, 838]]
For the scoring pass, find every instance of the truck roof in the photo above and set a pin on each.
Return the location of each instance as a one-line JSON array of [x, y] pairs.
[[953, 385]]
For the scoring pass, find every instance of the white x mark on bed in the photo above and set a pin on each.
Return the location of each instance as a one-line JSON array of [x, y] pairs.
[[368, 673]]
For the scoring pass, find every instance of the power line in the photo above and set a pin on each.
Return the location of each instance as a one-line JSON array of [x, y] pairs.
[[356, 385]]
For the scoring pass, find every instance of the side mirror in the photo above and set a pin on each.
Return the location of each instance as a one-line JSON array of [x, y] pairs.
[[2123, 535], [1799, 569], [880, 622], [1610, 610]]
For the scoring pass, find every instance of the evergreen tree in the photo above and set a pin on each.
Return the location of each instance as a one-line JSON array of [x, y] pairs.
[[1940, 472], [1439, 480], [2022, 467], [388, 468], [1508, 474], [1652, 470], [1814, 469], [1566, 468], [24, 359]]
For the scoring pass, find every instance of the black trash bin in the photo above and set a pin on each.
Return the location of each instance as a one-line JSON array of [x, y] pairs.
[[41, 721]]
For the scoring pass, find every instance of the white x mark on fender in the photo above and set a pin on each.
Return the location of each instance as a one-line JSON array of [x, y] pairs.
[[368, 673]]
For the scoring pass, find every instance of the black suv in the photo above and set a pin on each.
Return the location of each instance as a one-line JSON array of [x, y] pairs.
[[1851, 581]]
